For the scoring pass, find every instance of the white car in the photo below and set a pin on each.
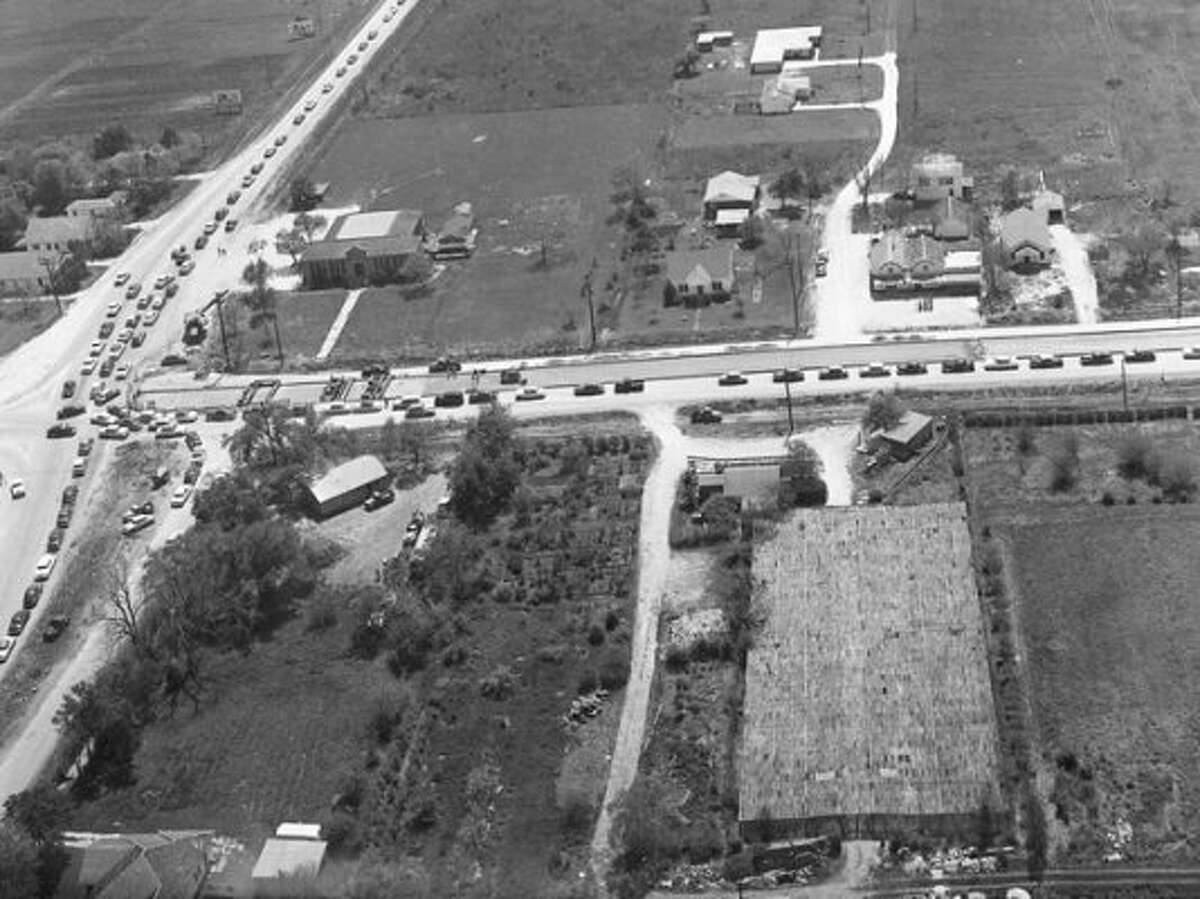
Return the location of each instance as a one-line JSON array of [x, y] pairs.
[[121, 280], [96, 348], [180, 497], [113, 310], [116, 351], [187, 416], [89, 366], [6, 647], [122, 371], [124, 335], [45, 565], [310, 104], [158, 302], [17, 488], [162, 281], [150, 318], [115, 432], [327, 87]]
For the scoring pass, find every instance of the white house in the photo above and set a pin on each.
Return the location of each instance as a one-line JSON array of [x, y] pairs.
[[774, 45]]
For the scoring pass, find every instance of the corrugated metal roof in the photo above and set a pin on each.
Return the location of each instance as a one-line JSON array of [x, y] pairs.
[[731, 187], [348, 476], [289, 857]]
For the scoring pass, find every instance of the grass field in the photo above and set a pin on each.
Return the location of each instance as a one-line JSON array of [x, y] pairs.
[[1099, 93], [1108, 614], [304, 320], [868, 701], [20, 321], [68, 68]]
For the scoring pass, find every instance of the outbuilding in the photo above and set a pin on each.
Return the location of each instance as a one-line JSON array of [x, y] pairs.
[[906, 437], [772, 46], [730, 190], [1050, 205], [284, 864], [345, 486]]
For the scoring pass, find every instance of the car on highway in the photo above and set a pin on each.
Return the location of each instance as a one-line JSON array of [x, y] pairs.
[[114, 432], [341, 71], [55, 627], [379, 498], [33, 595], [63, 519], [298, 119], [911, 368], [419, 411], [180, 497], [1095, 359], [957, 366], [528, 394], [732, 379], [629, 385], [162, 281], [821, 269], [54, 541], [351, 59], [706, 416], [232, 197], [68, 389], [833, 373], [145, 300], [69, 411], [362, 45], [122, 371], [201, 242], [449, 398], [327, 87], [16, 489], [60, 430], [133, 321], [589, 390], [210, 228], [124, 335], [45, 565], [1001, 363], [1136, 356], [78, 468], [85, 446], [171, 290], [6, 648], [88, 366], [247, 181], [106, 328], [371, 35], [874, 370], [112, 310], [188, 267], [787, 376], [220, 214], [387, 16], [310, 104], [151, 318], [444, 365], [231, 226], [132, 291], [16, 624], [121, 279], [1041, 362], [268, 153], [158, 302]]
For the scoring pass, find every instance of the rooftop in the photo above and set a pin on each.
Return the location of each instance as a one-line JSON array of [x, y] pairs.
[[1024, 226], [773, 44], [731, 187], [910, 425], [383, 223], [283, 857], [348, 476], [700, 266]]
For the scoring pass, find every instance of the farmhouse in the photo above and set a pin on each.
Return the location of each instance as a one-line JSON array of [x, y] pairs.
[[363, 248], [733, 194], [868, 705], [161, 865], [345, 486], [937, 176], [55, 234], [774, 45], [1025, 238], [905, 438], [698, 277], [21, 274]]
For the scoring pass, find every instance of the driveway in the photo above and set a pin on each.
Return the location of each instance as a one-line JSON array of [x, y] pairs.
[[1072, 255]]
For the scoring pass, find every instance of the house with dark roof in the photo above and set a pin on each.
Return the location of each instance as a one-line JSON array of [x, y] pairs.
[[363, 248], [1025, 237], [904, 439], [160, 865], [345, 486], [698, 277]]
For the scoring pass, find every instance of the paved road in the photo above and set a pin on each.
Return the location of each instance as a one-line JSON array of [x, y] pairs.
[[31, 377]]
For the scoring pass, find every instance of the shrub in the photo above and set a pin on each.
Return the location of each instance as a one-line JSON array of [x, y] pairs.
[[1137, 458], [1177, 477], [587, 683], [322, 612], [595, 634], [1026, 443], [614, 673], [1064, 464], [499, 685], [1107, 499], [611, 619], [343, 834]]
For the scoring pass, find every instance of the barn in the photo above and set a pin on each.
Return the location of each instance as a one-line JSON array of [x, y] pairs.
[[345, 486]]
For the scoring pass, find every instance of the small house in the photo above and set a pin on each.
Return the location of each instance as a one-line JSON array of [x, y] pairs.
[[54, 234], [707, 40], [346, 486], [937, 176], [730, 191], [1025, 238], [905, 439], [159, 865], [698, 277], [110, 208]]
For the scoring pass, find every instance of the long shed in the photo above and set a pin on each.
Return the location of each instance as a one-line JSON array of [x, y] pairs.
[[345, 486]]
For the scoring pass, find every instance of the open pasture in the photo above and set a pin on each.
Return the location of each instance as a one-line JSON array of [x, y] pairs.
[[868, 701]]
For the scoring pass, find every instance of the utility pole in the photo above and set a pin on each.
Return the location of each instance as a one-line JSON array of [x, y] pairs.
[[586, 292], [219, 299], [787, 390]]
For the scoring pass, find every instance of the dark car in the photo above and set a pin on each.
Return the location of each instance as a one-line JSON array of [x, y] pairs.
[[201, 242], [419, 412], [379, 498], [55, 627], [138, 338], [85, 446], [787, 376], [106, 329], [511, 376], [706, 416], [68, 389], [192, 475], [629, 385], [220, 415], [220, 214], [70, 411], [1092, 359], [444, 365], [874, 370], [449, 398], [106, 367], [589, 390], [17, 623], [192, 439], [230, 225], [33, 595], [957, 366], [63, 519], [833, 373], [56, 431], [172, 359], [375, 370], [732, 379], [1192, 353], [1134, 356], [70, 494], [1037, 362], [911, 368], [479, 397], [54, 541]]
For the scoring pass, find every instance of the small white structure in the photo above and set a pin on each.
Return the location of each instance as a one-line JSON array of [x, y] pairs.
[[774, 45], [706, 40], [730, 190], [297, 830], [282, 862]]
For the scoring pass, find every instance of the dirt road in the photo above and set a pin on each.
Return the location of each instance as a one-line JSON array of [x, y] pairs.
[[1072, 253]]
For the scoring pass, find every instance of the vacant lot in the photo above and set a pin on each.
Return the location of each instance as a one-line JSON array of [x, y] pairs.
[[868, 701], [69, 68], [1108, 613], [20, 321], [304, 320], [1100, 94]]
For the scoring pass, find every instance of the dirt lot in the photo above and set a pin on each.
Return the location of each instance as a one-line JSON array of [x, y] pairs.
[[76, 68], [1108, 617], [1094, 92]]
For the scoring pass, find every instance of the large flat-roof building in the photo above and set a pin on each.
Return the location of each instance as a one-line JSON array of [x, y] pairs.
[[363, 248], [774, 45]]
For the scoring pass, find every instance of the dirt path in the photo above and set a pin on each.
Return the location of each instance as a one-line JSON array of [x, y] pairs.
[[1072, 253], [835, 446], [658, 496]]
